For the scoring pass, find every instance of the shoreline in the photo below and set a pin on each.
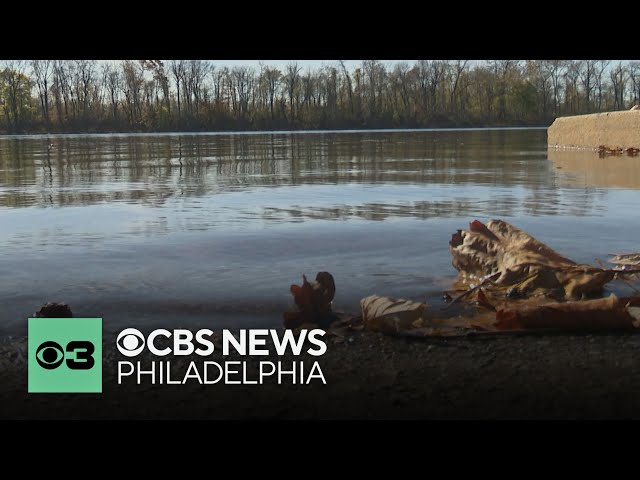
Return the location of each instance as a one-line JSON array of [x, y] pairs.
[[175, 133], [372, 376]]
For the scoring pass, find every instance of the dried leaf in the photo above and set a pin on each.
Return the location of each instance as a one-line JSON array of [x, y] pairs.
[[521, 261], [609, 313], [313, 300], [632, 259], [390, 315]]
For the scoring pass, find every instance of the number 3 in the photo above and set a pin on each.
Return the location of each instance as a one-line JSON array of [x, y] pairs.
[[83, 355]]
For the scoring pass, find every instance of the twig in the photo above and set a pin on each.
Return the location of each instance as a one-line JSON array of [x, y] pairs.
[[626, 282], [484, 282], [491, 278], [473, 289]]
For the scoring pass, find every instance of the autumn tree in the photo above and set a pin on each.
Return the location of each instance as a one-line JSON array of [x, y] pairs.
[[15, 94], [158, 95]]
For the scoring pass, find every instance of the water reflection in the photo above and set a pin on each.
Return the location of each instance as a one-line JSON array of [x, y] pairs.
[[156, 170], [587, 168]]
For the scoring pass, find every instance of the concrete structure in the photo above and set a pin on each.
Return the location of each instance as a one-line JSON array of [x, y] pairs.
[[611, 129]]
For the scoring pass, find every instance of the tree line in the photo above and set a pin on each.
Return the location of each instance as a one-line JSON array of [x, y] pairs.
[[196, 95]]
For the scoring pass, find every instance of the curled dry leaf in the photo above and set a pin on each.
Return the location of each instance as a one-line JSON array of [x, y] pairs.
[[390, 315], [498, 249], [626, 259]]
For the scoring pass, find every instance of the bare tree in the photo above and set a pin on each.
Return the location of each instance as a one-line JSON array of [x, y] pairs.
[[634, 76], [600, 67], [587, 70], [178, 69], [618, 76], [457, 69], [272, 78], [161, 79], [195, 73], [572, 95], [291, 79], [401, 90], [62, 90], [349, 86], [504, 70], [540, 77], [42, 71], [84, 85], [133, 87], [374, 82], [111, 81], [556, 70], [241, 86]]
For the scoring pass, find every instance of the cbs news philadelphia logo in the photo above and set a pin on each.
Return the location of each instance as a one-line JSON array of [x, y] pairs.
[[65, 355]]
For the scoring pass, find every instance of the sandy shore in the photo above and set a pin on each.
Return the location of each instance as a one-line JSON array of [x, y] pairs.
[[373, 376]]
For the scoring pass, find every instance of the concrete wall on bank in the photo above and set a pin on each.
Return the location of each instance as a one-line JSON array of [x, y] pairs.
[[611, 129]]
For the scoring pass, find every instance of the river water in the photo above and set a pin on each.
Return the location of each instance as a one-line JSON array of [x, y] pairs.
[[211, 229]]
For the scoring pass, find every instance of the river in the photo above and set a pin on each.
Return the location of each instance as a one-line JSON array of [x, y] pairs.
[[211, 230]]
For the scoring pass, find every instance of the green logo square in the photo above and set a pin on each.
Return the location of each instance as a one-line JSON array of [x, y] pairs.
[[65, 355]]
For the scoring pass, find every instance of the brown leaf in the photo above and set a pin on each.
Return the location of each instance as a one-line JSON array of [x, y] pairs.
[[327, 288], [609, 313], [313, 300], [390, 315], [626, 259], [521, 261], [478, 227]]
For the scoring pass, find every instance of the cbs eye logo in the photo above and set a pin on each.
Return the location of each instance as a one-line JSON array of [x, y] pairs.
[[50, 355], [65, 355], [130, 342]]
